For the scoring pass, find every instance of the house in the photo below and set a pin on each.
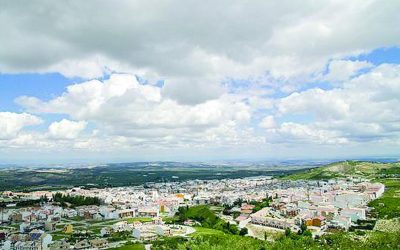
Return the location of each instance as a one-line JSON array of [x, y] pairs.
[[60, 245], [26, 245], [69, 213], [137, 224], [16, 217], [327, 211], [148, 212], [105, 231], [318, 221], [308, 222], [23, 227], [291, 212], [242, 217], [6, 245], [92, 215], [126, 213], [120, 226], [99, 243], [50, 226], [109, 212], [247, 209], [157, 221], [83, 244], [163, 230], [143, 235], [354, 213], [43, 239], [340, 222]]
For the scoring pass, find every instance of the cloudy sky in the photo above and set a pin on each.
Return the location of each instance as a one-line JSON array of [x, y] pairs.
[[198, 80]]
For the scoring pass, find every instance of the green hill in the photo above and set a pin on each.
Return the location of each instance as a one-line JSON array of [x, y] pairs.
[[346, 169]]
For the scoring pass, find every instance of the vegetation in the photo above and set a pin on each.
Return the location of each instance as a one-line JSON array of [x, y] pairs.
[[371, 240], [130, 246], [141, 219], [392, 225], [258, 205], [76, 200], [121, 174], [119, 236], [346, 168], [206, 218], [388, 206], [201, 231], [168, 243], [361, 236]]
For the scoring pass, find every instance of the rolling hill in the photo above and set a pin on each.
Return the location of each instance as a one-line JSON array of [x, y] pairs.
[[347, 169]]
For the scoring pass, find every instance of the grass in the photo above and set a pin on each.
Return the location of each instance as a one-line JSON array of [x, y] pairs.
[[130, 246], [312, 174], [388, 206], [169, 219], [141, 219], [202, 231], [96, 229], [58, 236]]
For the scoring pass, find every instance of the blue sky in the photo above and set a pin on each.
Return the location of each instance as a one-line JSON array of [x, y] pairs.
[[310, 85]]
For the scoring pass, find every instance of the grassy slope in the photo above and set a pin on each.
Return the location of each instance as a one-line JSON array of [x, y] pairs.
[[346, 168], [388, 206], [136, 246], [202, 231]]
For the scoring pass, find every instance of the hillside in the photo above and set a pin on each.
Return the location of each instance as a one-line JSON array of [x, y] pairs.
[[346, 169]]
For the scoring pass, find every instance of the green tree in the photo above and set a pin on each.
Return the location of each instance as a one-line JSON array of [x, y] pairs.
[[244, 231]]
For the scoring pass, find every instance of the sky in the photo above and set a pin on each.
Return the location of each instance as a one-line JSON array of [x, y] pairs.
[[114, 81]]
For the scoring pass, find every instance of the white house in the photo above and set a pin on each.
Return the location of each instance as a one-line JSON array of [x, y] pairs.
[[354, 213]]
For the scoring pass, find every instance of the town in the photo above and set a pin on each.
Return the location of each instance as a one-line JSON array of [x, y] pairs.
[[82, 218]]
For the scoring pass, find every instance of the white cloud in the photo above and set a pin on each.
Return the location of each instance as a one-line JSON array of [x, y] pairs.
[[225, 66], [295, 133], [193, 46], [12, 123], [121, 106], [268, 122], [127, 114], [367, 108], [66, 129], [343, 70]]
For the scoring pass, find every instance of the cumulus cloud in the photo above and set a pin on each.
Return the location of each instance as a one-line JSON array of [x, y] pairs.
[[201, 74], [131, 114], [367, 108], [12, 123], [121, 106], [66, 129], [268, 122], [343, 70], [193, 46], [295, 133]]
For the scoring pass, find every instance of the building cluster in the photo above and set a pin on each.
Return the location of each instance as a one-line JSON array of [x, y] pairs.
[[139, 210], [319, 205]]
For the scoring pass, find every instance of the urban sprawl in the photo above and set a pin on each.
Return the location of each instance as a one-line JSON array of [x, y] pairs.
[[143, 212]]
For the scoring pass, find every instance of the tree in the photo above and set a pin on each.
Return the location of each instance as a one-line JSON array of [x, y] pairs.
[[303, 228], [288, 232], [243, 231]]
